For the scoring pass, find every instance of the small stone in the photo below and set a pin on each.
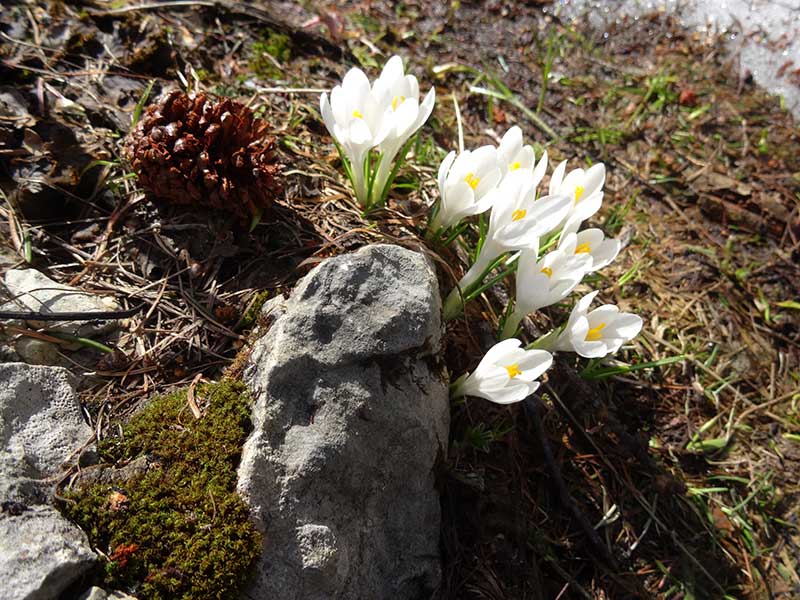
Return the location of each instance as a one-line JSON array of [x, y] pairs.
[[97, 593], [38, 352], [33, 291]]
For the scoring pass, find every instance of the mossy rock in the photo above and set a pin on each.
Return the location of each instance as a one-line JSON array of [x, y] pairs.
[[178, 530]]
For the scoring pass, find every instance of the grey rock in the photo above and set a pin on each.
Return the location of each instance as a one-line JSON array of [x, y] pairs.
[[41, 554], [35, 292], [97, 593], [38, 352], [41, 426], [110, 475], [351, 413]]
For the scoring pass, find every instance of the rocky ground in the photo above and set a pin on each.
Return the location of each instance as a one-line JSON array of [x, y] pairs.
[[673, 481]]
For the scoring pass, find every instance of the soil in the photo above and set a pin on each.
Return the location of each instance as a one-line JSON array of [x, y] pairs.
[[676, 481]]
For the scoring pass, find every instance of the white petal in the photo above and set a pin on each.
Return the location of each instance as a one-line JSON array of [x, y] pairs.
[[488, 181], [567, 244], [510, 144], [359, 133], [462, 164], [574, 178], [499, 351], [626, 326], [540, 169], [580, 308], [444, 168], [393, 70], [484, 159], [426, 107], [557, 177], [606, 253], [356, 85], [535, 363], [404, 119], [526, 159], [587, 207], [549, 212], [532, 292], [508, 395], [411, 87], [579, 331], [594, 178], [603, 314], [593, 237], [597, 349], [326, 112], [339, 105]]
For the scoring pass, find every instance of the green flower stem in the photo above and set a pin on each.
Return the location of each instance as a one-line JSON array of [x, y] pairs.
[[89, 343], [455, 301], [455, 387], [453, 305], [371, 173], [401, 156], [511, 326], [546, 341], [456, 232]]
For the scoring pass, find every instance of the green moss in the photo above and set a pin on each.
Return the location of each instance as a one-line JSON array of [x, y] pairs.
[[178, 531], [275, 45], [250, 317]]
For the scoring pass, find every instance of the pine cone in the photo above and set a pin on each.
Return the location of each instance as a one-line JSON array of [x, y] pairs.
[[194, 150]]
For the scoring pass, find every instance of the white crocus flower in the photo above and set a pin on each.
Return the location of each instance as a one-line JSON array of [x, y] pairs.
[[398, 95], [354, 119], [521, 158], [593, 243], [545, 281], [506, 374], [517, 221], [585, 187], [361, 117], [597, 333], [465, 181]]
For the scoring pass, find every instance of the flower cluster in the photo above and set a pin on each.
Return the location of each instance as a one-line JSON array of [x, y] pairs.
[[372, 125], [538, 237]]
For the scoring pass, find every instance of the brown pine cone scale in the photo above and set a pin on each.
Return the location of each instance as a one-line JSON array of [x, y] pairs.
[[200, 151]]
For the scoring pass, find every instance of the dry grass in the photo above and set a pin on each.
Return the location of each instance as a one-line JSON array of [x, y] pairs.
[[684, 473]]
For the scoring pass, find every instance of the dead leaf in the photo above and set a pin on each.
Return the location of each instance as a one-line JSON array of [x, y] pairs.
[[190, 396], [713, 182]]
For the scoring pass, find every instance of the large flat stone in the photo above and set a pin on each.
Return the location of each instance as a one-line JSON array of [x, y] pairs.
[[351, 414]]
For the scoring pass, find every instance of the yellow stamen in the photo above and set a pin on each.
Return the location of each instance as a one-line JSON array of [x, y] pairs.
[[516, 165], [513, 370], [578, 192], [358, 114], [547, 271], [397, 101], [472, 180], [594, 333], [583, 248], [518, 214]]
